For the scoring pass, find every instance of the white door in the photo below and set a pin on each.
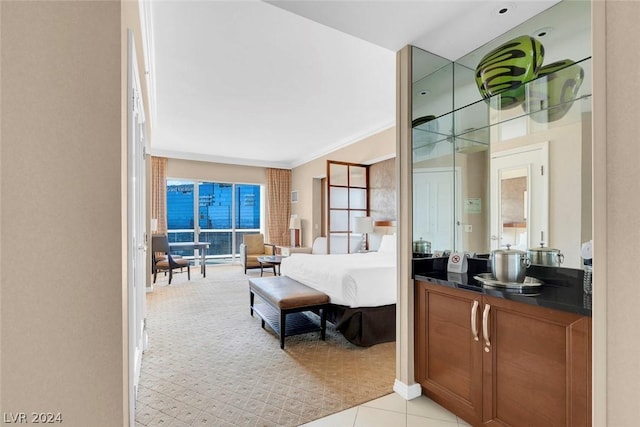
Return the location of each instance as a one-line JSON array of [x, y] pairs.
[[519, 176], [136, 225], [435, 212]]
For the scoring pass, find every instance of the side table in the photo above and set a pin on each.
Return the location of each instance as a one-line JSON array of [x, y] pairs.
[[270, 261], [288, 250]]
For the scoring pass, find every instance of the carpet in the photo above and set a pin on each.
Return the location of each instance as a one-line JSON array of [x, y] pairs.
[[210, 363]]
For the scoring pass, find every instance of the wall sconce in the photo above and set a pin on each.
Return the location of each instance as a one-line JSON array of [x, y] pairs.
[[363, 225], [295, 224]]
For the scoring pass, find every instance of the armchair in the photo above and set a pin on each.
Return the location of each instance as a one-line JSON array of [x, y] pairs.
[[252, 247], [162, 260]]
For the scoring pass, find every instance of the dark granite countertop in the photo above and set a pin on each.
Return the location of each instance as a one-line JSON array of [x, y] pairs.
[[562, 288]]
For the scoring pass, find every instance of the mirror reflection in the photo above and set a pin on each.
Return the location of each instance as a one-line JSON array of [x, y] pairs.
[[486, 176], [512, 196]]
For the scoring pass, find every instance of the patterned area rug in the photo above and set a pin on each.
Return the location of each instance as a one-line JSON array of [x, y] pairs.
[[210, 363]]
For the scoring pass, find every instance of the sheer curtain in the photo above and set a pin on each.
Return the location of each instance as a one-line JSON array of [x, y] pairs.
[[278, 206], [159, 193]]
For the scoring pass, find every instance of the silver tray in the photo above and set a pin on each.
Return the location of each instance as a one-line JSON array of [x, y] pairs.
[[488, 279]]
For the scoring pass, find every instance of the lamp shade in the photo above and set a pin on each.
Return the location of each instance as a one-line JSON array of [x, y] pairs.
[[295, 223], [363, 224]]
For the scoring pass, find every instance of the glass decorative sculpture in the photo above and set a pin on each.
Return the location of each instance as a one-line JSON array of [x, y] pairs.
[[507, 68], [551, 96]]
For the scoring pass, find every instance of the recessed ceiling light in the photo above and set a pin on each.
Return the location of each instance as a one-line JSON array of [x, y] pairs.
[[504, 9], [542, 32]]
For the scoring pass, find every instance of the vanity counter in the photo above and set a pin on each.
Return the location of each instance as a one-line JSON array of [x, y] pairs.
[[562, 288]]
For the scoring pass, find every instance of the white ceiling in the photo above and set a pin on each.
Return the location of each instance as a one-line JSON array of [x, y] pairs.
[[279, 83]]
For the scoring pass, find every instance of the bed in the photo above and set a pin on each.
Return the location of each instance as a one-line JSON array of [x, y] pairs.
[[361, 287]]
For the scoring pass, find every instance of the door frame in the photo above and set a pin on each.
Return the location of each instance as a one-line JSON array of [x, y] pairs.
[[136, 225], [541, 149]]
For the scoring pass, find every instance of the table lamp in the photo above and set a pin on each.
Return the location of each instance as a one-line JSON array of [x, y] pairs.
[[295, 224], [363, 225]]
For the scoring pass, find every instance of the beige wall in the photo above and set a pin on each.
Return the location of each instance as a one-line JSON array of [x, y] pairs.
[[617, 225], [475, 177], [382, 190], [63, 336], [219, 172], [304, 177], [404, 177], [587, 177]]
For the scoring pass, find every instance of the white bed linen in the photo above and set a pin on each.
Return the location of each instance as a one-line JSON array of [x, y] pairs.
[[353, 280]]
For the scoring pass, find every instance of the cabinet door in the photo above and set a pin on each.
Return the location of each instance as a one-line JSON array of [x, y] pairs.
[[448, 357], [536, 366]]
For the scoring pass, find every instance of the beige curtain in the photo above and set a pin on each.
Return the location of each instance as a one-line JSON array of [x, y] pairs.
[[159, 192], [278, 206]]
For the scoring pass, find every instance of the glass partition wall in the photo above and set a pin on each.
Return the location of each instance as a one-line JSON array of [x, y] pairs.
[[488, 172], [348, 199]]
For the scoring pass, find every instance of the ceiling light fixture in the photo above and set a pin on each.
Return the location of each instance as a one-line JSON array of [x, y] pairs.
[[504, 9], [542, 32]]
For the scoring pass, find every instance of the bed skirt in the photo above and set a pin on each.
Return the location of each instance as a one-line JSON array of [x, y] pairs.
[[364, 326]]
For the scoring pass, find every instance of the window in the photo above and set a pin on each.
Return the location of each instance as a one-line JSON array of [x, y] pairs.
[[214, 212], [180, 222]]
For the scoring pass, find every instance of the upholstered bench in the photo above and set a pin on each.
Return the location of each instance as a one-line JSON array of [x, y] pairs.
[[284, 297]]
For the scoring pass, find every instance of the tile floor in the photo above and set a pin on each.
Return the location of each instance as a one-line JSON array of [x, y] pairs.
[[392, 410]]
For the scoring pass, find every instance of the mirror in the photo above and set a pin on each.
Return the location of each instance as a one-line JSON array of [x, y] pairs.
[[512, 215], [486, 176]]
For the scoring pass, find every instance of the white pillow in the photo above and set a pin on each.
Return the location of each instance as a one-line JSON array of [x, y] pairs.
[[319, 246], [388, 243]]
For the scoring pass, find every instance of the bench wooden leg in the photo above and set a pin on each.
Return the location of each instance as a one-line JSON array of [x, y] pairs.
[[251, 298], [323, 323], [283, 327]]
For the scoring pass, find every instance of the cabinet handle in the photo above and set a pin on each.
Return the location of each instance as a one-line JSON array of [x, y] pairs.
[[474, 320], [485, 325]]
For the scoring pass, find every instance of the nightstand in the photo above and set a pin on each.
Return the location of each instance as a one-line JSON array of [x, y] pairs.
[[288, 250]]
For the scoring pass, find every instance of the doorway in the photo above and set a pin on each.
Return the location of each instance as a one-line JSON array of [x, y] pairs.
[[136, 225], [519, 176], [434, 206]]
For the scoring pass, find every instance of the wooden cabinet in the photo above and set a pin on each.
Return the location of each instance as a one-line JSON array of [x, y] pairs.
[[448, 358], [496, 362]]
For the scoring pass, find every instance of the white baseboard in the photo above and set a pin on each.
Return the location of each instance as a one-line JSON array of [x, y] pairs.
[[408, 392]]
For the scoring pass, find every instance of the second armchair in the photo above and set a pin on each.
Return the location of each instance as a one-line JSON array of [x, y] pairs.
[[252, 247]]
